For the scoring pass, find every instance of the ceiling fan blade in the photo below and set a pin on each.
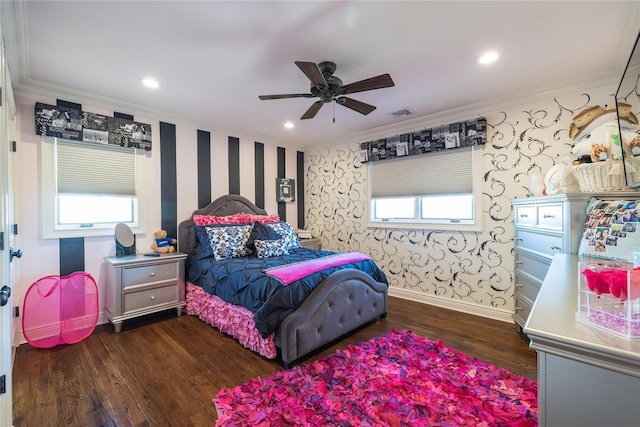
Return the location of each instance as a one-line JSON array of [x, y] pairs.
[[312, 111], [288, 95], [378, 82], [358, 106], [313, 73]]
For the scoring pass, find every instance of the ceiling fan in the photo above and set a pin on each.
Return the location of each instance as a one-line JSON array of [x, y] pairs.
[[329, 88]]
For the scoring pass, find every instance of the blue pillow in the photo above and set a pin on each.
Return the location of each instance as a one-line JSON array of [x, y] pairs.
[[261, 232], [203, 247]]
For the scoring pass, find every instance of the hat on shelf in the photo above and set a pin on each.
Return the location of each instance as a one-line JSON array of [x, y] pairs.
[[592, 117]]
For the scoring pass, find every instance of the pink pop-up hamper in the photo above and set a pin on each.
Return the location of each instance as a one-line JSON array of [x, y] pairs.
[[60, 310]]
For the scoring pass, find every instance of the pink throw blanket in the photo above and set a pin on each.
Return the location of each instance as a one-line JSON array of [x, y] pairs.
[[291, 272]]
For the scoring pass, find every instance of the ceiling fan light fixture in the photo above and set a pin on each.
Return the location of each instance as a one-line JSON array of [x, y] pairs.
[[289, 125]]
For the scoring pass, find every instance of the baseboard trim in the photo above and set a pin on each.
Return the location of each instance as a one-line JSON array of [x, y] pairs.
[[491, 313]]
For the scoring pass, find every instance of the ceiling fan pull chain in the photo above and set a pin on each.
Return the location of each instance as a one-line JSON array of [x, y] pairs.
[[334, 112]]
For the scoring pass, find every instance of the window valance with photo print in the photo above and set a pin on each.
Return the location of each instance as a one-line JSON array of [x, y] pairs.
[[454, 135], [76, 125]]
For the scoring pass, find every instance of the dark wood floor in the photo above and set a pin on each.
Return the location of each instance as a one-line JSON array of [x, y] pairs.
[[165, 370]]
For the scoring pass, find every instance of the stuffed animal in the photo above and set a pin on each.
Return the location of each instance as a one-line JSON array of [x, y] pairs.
[[163, 244], [597, 136], [561, 179]]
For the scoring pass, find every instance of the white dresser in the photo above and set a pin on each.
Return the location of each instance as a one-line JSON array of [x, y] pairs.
[[586, 377], [544, 226], [138, 285]]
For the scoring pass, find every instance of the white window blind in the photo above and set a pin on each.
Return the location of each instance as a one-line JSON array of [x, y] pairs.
[[446, 172], [83, 168]]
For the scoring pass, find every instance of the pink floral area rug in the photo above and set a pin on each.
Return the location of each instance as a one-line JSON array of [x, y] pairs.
[[399, 379]]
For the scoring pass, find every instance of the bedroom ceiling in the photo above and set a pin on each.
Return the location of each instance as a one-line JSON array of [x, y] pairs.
[[213, 59]]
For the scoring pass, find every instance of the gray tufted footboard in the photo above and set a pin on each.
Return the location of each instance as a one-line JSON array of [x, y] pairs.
[[342, 303]]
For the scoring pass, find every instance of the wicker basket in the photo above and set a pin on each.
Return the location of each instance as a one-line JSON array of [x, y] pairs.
[[632, 168], [600, 176]]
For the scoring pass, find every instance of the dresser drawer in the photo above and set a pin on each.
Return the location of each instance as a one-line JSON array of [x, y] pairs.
[[549, 216], [522, 310], [525, 215], [532, 266], [132, 276], [133, 301], [546, 244], [526, 289]]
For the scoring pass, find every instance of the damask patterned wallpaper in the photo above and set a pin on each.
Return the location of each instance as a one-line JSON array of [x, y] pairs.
[[463, 267]]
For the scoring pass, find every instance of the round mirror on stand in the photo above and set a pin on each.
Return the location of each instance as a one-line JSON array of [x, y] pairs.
[[125, 240]]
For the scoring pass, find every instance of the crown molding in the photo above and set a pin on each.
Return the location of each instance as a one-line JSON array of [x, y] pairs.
[[479, 109]]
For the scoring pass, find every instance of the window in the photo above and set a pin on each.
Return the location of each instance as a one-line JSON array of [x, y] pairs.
[[434, 191], [88, 188]]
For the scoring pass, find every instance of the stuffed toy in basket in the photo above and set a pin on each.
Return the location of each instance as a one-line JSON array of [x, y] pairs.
[[598, 148]]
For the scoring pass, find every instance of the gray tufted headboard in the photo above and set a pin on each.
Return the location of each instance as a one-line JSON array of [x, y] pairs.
[[222, 206]]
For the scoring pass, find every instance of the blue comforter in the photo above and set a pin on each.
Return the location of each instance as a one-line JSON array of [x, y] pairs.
[[242, 281]]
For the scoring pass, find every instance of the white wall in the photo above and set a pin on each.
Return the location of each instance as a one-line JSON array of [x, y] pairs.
[[41, 257]]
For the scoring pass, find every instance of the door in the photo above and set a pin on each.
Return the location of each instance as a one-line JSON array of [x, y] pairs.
[[7, 132]]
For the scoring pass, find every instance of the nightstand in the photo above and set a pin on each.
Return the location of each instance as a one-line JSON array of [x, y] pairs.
[[138, 285], [313, 243]]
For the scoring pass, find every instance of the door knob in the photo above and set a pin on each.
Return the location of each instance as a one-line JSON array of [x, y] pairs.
[[14, 254], [5, 293]]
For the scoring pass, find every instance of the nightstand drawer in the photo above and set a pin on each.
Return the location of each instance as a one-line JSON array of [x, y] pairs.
[[535, 241], [132, 276], [525, 215], [550, 216], [133, 301], [313, 243]]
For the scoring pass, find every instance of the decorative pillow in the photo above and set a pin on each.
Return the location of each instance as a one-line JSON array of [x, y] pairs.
[[235, 219], [261, 232], [203, 246], [612, 229], [287, 232], [212, 219], [269, 248], [265, 219], [230, 241]]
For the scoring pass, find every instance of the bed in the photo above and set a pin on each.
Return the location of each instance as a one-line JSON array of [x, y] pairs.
[[344, 299]]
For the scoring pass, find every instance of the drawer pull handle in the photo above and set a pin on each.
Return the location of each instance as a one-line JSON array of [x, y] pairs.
[[556, 248], [518, 308], [152, 274], [518, 285], [518, 262], [153, 297], [524, 215], [519, 239], [547, 216]]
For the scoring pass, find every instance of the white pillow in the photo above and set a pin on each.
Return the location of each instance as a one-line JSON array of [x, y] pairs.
[[230, 241], [287, 232], [269, 248]]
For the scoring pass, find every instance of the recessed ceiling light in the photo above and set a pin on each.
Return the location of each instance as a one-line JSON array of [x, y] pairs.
[[152, 83], [289, 125], [488, 58]]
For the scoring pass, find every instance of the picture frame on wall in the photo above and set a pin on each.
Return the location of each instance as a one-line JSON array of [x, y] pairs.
[[285, 190]]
